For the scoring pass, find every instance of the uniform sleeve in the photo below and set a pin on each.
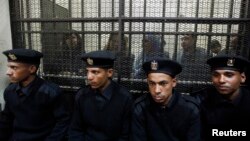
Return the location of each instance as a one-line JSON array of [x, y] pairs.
[[62, 116], [6, 122], [126, 121], [76, 130], [194, 130], [138, 129]]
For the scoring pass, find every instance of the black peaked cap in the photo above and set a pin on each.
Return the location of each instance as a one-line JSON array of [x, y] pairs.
[[102, 59], [166, 66], [230, 62], [23, 55]]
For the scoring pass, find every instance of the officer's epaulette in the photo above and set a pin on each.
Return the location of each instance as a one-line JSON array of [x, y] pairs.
[[201, 91], [190, 99], [79, 92], [140, 99]]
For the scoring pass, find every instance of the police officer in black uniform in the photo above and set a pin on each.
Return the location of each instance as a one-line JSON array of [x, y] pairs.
[[164, 115], [225, 106], [102, 109], [34, 109]]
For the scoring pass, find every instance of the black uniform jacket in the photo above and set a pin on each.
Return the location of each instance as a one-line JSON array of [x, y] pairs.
[[222, 114], [34, 113], [179, 121], [101, 117]]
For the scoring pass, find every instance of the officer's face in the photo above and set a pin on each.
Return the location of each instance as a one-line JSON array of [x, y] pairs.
[[227, 82], [160, 87], [19, 72], [98, 78]]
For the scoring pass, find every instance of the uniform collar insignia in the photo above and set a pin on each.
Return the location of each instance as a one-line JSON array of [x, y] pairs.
[[12, 56], [154, 65], [90, 61], [230, 62]]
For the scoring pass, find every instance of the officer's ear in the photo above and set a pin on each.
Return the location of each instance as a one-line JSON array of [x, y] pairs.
[[110, 72], [32, 69], [174, 80], [243, 77]]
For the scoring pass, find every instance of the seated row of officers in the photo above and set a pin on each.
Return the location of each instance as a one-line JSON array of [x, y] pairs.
[[35, 109]]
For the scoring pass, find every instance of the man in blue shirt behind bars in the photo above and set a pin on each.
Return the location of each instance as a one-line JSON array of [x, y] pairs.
[[34, 109]]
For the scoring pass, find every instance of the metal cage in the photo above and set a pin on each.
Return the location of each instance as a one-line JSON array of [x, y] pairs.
[[47, 26]]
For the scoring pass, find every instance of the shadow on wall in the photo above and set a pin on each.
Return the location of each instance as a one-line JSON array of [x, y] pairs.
[[3, 77], [5, 43], [3, 85]]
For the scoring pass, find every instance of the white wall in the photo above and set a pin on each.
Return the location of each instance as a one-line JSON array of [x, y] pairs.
[[5, 43]]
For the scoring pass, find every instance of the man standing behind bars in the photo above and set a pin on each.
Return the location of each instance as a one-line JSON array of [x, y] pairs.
[[34, 109], [103, 109], [192, 59], [164, 114]]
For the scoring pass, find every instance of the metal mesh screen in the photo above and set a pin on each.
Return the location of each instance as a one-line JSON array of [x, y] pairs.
[[183, 30]]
